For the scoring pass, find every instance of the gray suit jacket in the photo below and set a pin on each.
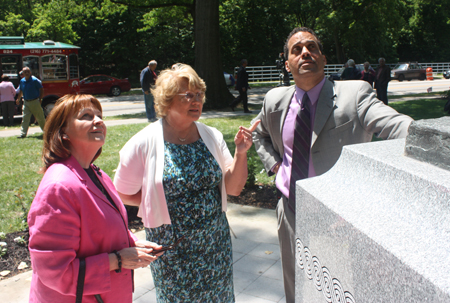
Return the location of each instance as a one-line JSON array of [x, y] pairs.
[[348, 112]]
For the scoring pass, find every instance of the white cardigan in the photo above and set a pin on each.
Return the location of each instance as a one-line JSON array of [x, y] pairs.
[[141, 166]]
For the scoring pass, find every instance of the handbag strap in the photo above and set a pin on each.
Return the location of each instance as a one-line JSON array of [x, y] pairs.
[[80, 282]]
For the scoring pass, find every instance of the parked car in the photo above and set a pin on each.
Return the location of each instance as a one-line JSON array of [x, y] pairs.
[[447, 74], [337, 76], [102, 84], [229, 79], [408, 71]]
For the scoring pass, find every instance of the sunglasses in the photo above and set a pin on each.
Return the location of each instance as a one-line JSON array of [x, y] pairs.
[[189, 96], [164, 248]]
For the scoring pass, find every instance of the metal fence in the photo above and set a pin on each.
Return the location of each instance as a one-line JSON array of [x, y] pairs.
[[272, 74]]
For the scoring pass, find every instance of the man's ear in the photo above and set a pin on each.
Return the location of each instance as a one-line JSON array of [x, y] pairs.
[[324, 59], [286, 64]]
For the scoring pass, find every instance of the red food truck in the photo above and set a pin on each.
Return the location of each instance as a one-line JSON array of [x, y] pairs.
[[54, 63]]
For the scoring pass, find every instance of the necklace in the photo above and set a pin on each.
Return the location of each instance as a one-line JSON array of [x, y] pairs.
[[181, 139]]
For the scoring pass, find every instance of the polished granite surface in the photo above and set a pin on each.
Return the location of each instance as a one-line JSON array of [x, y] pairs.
[[375, 228]]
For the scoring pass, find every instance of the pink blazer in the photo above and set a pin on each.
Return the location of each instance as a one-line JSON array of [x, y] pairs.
[[69, 219]]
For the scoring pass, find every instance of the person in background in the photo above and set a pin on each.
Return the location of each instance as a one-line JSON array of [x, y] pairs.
[[304, 128], [178, 172], [383, 76], [242, 86], [32, 91], [350, 72], [7, 93], [368, 74], [148, 78], [80, 245], [18, 87]]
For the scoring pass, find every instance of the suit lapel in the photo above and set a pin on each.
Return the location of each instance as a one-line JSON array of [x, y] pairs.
[[325, 106], [86, 180]]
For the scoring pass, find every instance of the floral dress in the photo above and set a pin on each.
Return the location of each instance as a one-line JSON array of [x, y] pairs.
[[199, 269]]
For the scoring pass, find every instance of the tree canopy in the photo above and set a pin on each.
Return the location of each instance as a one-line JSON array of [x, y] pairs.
[[119, 37]]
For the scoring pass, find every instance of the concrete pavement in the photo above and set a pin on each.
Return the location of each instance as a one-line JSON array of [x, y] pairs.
[[256, 262]]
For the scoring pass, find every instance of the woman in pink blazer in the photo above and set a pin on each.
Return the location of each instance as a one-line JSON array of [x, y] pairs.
[[80, 245]]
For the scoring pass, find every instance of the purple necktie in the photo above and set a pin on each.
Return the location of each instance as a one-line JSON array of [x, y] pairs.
[[301, 148]]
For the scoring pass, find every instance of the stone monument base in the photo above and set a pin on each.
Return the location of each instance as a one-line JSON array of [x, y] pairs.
[[375, 228]]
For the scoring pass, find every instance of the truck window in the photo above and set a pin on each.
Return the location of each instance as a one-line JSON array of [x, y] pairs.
[[10, 66], [73, 66], [54, 67], [32, 62]]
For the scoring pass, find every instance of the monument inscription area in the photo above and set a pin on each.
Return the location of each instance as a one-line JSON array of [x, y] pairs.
[[376, 227]]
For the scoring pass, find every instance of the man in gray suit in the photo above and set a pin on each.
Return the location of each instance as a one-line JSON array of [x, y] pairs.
[[340, 113]]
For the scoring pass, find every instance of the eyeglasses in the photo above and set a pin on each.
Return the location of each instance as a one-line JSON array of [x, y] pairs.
[[190, 96]]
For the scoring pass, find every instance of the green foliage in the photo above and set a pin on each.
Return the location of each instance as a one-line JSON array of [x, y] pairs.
[[360, 30], [3, 249], [425, 37], [252, 29], [252, 165], [168, 36], [20, 241], [14, 25], [119, 37], [53, 21]]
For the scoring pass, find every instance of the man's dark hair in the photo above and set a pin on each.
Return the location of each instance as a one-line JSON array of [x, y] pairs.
[[301, 29], [243, 61]]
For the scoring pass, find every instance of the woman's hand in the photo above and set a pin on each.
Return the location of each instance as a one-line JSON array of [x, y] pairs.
[[243, 138], [149, 245], [136, 257]]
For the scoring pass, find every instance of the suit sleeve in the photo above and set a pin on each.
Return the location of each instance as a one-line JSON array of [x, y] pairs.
[[55, 225], [378, 118], [263, 142]]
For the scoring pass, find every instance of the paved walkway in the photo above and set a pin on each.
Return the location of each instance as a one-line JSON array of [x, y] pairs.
[[256, 262]]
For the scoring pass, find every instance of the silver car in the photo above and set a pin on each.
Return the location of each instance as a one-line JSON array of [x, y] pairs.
[[408, 71]]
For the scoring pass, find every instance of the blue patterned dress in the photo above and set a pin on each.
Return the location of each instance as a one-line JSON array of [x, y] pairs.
[[200, 268]]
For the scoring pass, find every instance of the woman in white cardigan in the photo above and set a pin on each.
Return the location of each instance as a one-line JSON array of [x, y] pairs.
[[179, 172]]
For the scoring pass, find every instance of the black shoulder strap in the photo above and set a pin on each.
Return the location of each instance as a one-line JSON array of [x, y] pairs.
[[80, 282]]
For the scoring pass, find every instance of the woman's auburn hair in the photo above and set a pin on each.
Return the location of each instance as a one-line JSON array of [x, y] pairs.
[[166, 86], [56, 149]]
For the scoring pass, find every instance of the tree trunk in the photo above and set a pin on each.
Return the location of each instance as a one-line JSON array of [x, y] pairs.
[[208, 61], [339, 51]]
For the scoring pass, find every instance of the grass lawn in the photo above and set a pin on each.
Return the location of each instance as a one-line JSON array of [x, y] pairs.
[[421, 108], [21, 159]]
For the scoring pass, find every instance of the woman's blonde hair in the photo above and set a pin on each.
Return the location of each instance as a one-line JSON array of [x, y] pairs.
[[166, 86], [55, 148]]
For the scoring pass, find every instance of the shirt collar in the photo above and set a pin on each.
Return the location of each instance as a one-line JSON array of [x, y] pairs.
[[313, 93]]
